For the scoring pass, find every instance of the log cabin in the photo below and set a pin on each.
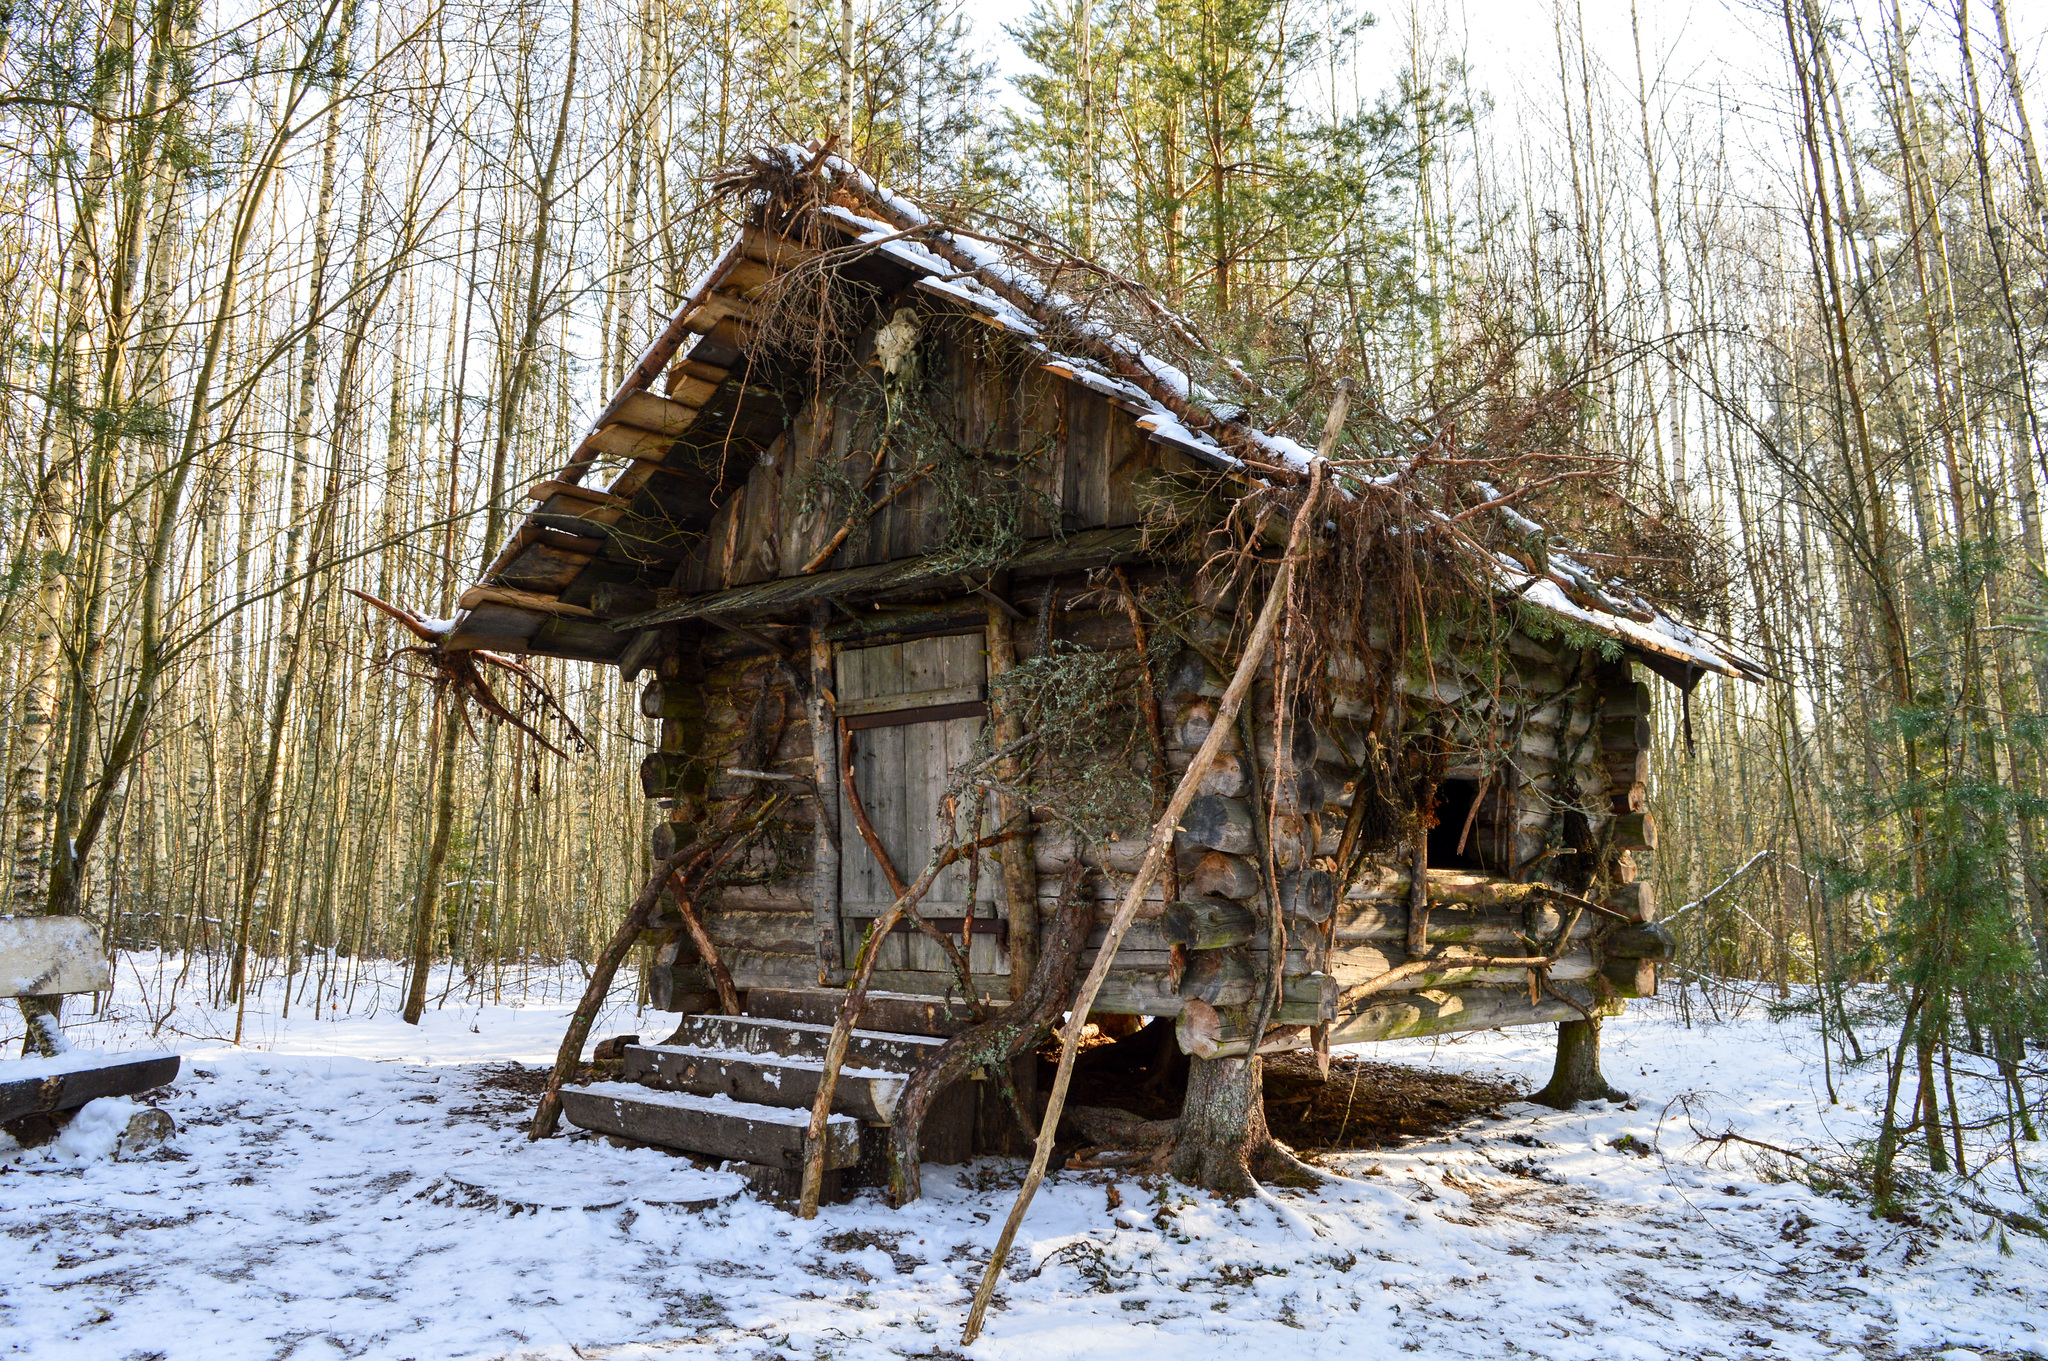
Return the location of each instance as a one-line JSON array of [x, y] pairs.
[[909, 533]]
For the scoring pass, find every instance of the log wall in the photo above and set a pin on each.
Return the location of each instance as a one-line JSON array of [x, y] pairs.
[[1556, 741]]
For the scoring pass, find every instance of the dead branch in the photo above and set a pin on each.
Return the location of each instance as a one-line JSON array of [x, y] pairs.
[[1445, 964], [1159, 849], [993, 1043], [460, 671], [896, 885], [856, 1001], [685, 860], [714, 963]]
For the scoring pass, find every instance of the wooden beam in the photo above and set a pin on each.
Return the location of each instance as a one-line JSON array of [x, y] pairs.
[[1088, 548], [626, 441], [690, 372], [544, 491], [695, 392], [723, 307], [820, 708], [930, 713], [639, 653], [747, 278], [520, 600], [1305, 999], [1443, 1011], [1635, 831], [698, 1125], [68, 1091], [1005, 606], [554, 540], [772, 248], [916, 699], [661, 415]]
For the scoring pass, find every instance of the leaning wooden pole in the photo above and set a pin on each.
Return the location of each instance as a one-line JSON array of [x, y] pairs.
[[686, 861], [856, 1001], [549, 1113], [1157, 852]]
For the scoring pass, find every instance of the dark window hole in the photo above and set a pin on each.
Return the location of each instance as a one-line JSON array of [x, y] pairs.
[[1454, 800]]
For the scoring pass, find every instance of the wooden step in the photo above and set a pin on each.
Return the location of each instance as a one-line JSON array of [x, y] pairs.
[[888, 1050], [714, 1127], [902, 1012], [868, 1094], [784, 1185]]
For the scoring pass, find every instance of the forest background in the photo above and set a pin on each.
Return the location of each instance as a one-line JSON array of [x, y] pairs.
[[297, 299]]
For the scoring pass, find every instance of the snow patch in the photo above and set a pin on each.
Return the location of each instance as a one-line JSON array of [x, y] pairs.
[[310, 1215]]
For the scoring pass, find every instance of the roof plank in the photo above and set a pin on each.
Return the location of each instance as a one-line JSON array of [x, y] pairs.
[[663, 416], [531, 601], [1090, 548]]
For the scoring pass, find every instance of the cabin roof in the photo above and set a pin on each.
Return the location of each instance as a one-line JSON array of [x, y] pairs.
[[572, 580]]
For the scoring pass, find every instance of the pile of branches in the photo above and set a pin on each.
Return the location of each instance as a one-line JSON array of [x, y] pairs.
[[1427, 504]]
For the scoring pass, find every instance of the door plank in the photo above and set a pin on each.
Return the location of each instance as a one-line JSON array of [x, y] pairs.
[[903, 772]]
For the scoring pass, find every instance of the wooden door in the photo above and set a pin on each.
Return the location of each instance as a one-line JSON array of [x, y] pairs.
[[913, 711]]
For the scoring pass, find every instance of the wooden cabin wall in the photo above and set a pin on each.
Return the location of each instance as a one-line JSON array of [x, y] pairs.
[[1564, 709], [1552, 717], [1072, 449], [1558, 714], [1552, 736], [719, 712]]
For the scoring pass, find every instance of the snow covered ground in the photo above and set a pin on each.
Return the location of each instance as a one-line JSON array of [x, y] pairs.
[[353, 1187]]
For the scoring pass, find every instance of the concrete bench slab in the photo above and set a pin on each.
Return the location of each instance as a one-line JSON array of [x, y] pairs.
[[51, 956]]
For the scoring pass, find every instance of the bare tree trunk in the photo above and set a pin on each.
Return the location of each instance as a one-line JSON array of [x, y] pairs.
[[1222, 1142], [426, 905], [1576, 1076], [512, 389], [293, 605]]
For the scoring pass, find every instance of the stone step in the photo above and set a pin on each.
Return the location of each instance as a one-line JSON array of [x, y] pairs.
[[904, 1013], [888, 1050], [711, 1126], [868, 1094]]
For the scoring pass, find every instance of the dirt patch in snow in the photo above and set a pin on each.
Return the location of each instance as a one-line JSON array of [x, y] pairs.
[[1371, 1105], [1361, 1105]]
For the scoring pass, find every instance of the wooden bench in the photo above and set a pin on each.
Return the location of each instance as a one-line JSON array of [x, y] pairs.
[[56, 957]]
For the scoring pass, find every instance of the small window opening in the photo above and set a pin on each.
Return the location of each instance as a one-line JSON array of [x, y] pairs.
[[1454, 800]]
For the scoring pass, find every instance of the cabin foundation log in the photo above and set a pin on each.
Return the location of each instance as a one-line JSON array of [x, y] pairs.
[[1443, 1011]]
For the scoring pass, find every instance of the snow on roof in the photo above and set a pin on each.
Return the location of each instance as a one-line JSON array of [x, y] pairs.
[[1616, 612], [1165, 400]]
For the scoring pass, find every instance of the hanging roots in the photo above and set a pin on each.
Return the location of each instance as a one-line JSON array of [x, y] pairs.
[[1379, 819], [464, 671]]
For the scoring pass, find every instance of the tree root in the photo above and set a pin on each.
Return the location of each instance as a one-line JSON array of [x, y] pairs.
[[1117, 1139]]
